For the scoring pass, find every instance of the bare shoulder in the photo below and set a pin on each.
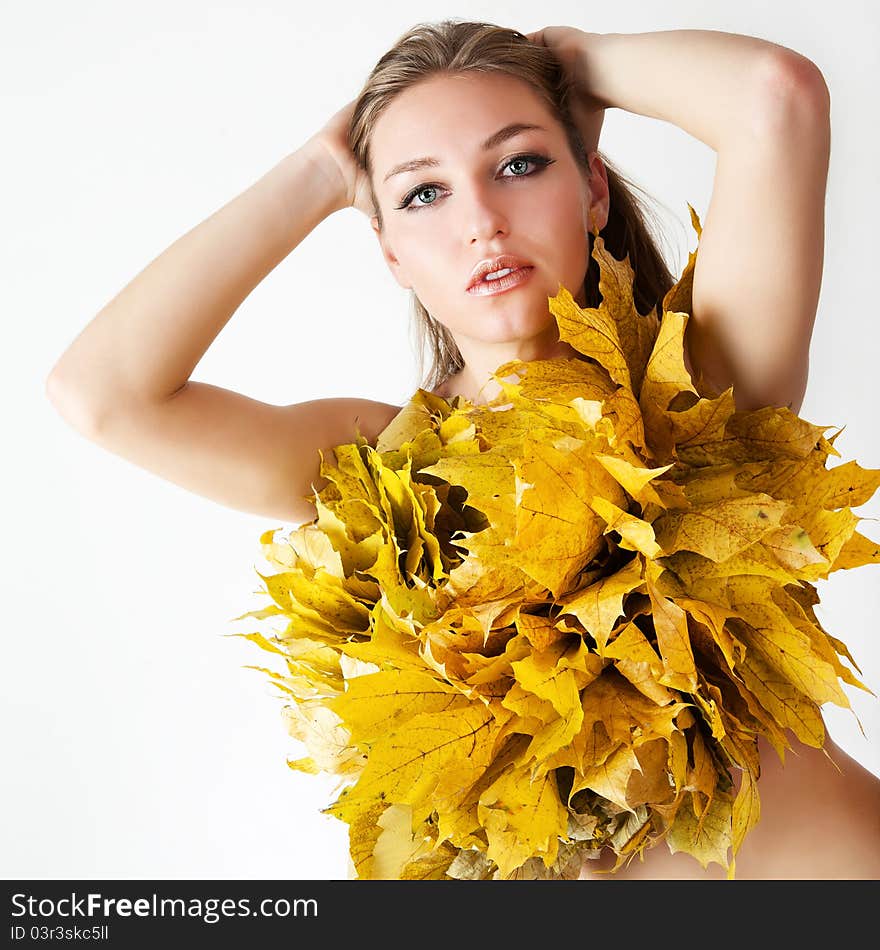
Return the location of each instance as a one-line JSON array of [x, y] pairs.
[[823, 817], [338, 420], [370, 415]]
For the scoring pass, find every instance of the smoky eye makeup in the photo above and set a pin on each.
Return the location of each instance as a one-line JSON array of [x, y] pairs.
[[539, 160]]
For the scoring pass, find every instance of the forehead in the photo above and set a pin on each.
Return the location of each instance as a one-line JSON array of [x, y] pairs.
[[450, 116]]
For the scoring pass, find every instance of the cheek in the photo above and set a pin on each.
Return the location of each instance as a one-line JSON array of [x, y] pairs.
[[422, 241], [556, 224], [428, 265], [566, 206], [553, 215], [431, 255]]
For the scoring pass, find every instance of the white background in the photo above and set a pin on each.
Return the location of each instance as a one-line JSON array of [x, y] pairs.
[[136, 742]]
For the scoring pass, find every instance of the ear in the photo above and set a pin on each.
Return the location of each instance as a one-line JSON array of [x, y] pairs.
[[599, 196], [388, 254]]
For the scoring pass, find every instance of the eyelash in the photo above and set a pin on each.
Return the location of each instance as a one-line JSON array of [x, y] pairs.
[[540, 160]]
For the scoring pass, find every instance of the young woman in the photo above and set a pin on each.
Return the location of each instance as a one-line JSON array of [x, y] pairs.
[[474, 151]]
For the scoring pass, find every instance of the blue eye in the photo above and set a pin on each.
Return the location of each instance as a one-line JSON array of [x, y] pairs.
[[540, 160]]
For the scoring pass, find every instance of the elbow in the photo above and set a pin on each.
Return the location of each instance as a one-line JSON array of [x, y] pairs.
[[52, 389], [791, 88], [784, 390], [72, 409]]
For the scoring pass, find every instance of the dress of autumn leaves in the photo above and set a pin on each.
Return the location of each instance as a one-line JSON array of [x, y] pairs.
[[527, 632]]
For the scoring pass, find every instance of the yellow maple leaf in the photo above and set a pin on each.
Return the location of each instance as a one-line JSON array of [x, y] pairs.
[[522, 818]]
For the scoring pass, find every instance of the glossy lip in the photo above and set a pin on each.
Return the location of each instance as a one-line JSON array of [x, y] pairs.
[[511, 281], [488, 265]]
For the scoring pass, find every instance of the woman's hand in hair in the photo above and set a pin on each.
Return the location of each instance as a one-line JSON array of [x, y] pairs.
[[572, 48], [353, 181]]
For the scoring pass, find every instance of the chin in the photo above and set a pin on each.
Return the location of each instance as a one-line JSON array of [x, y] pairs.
[[541, 324]]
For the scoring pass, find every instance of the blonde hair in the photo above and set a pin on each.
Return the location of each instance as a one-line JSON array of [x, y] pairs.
[[454, 46]]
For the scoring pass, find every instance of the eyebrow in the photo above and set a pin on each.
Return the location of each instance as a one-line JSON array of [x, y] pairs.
[[502, 135]]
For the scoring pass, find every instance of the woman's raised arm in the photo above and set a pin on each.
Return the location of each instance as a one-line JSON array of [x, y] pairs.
[[144, 344], [765, 109], [124, 381]]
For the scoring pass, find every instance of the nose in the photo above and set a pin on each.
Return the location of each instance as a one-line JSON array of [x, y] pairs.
[[485, 213]]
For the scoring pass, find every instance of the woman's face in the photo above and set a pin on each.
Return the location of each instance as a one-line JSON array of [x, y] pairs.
[[475, 203]]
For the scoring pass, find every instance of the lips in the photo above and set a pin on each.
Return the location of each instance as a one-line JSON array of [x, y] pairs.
[[502, 285], [488, 265]]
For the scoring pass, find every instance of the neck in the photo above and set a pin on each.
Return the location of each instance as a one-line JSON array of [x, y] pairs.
[[474, 380]]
